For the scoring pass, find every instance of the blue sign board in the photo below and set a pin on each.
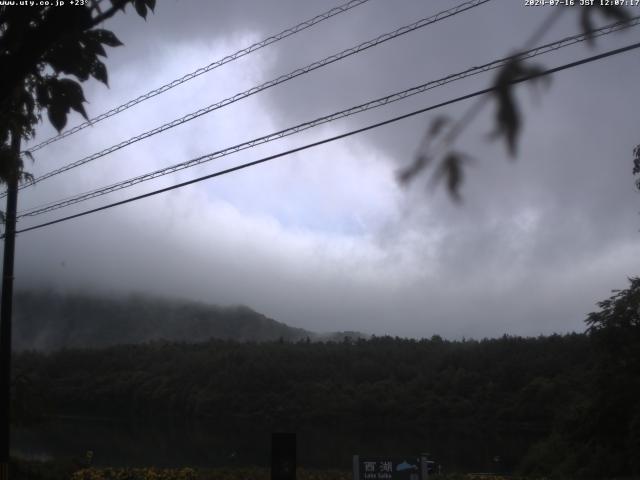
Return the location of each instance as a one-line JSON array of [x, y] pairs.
[[390, 468]]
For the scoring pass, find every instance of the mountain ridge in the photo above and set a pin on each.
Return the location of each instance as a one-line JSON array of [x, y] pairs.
[[47, 320]]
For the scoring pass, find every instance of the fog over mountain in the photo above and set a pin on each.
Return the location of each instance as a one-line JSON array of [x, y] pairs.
[[326, 239], [45, 320]]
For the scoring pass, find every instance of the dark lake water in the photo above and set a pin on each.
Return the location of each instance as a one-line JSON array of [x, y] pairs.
[[170, 443]]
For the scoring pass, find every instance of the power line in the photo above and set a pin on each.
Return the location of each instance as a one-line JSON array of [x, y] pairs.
[[325, 119], [202, 70], [337, 137], [471, 113], [565, 42], [281, 79]]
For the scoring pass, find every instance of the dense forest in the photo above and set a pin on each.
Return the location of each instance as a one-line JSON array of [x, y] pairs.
[[509, 386], [401, 382], [574, 398]]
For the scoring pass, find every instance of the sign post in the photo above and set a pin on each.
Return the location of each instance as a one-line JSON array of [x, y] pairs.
[[424, 465], [283, 456], [391, 468]]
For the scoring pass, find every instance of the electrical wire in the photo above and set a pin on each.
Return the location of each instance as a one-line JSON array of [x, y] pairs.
[[202, 70], [337, 137], [471, 113], [394, 97], [252, 91]]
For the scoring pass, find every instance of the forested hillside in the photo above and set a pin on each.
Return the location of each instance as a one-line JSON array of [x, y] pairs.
[[499, 382], [511, 387], [563, 405], [47, 321]]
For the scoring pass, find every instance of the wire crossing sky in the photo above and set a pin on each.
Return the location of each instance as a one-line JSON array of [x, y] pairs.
[[257, 89], [327, 239], [394, 97], [337, 137], [202, 70]]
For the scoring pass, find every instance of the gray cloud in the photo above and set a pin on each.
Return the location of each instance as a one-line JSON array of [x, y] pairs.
[[326, 239]]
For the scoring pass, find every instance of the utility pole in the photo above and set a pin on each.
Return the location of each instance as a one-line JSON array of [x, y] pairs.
[[6, 304]]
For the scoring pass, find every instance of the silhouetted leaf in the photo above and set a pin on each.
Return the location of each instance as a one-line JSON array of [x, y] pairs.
[[70, 92], [423, 157], [57, 116], [121, 5], [613, 12], [81, 58], [586, 24], [451, 170], [52, 43], [99, 72], [106, 37], [141, 8], [508, 121], [66, 57], [93, 44]]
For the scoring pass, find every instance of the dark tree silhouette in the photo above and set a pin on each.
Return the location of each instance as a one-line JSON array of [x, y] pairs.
[[614, 417], [45, 53]]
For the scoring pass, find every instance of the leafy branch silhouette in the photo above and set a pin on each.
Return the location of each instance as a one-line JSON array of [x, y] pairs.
[[45, 54], [437, 146]]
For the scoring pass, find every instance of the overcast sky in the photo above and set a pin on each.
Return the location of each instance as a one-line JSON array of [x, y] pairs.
[[326, 239]]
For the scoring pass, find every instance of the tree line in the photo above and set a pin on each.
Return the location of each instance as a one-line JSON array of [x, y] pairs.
[[573, 396]]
